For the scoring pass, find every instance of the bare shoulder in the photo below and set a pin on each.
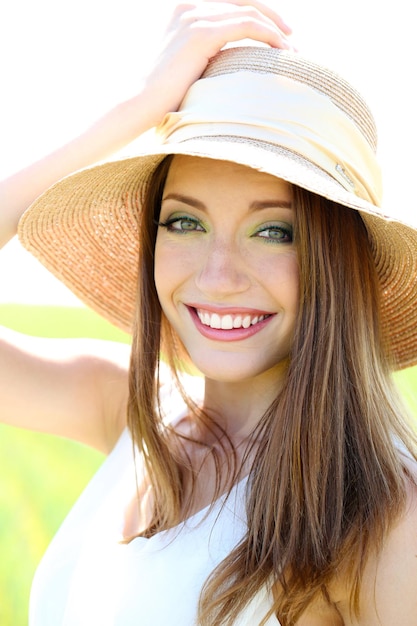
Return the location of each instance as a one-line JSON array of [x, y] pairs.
[[75, 388], [321, 613], [106, 364], [389, 586]]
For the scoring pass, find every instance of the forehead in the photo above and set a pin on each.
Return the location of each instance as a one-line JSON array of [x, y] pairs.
[[203, 175]]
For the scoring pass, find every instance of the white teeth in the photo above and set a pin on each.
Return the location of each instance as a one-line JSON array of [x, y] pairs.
[[215, 321], [228, 322], [246, 321], [237, 322]]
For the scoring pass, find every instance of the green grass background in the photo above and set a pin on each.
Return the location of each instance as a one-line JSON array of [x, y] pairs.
[[41, 476]]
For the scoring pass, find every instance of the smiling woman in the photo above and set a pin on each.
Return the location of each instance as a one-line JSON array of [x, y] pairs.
[[236, 266], [245, 242]]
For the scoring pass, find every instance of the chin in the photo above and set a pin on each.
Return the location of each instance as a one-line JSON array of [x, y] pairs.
[[238, 370]]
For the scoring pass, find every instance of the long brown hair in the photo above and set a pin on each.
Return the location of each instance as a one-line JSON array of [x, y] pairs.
[[328, 479]]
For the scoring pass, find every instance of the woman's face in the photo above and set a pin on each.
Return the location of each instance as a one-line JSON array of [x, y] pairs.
[[225, 266]]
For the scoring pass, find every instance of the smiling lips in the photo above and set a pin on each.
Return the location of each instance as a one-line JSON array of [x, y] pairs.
[[230, 326], [228, 321]]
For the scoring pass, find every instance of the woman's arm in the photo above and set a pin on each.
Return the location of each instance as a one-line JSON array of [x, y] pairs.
[[117, 128], [388, 591], [79, 389], [75, 388], [195, 33]]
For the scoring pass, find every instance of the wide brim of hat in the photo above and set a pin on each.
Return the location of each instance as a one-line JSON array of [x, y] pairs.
[[84, 230]]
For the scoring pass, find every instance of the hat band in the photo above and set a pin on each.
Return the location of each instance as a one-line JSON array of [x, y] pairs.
[[302, 120]]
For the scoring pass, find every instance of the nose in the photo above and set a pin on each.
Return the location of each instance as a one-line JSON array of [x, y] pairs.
[[222, 270]]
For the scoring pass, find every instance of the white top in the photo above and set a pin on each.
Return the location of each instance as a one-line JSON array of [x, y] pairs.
[[88, 577]]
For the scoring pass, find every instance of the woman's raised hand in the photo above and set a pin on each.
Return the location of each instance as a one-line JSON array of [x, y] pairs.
[[195, 33]]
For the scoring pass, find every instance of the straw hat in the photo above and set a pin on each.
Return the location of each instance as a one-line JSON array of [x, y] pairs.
[[265, 108]]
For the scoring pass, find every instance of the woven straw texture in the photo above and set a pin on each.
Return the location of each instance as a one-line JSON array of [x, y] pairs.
[[85, 228]]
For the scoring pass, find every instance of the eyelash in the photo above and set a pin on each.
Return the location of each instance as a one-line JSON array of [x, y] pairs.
[[285, 230], [168, 224]]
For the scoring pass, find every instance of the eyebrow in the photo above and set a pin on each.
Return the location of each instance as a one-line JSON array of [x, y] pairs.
[[257, 205], [186, 200]]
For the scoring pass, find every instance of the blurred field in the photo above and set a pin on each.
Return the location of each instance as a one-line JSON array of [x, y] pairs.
[[407, 384], [41, 476]]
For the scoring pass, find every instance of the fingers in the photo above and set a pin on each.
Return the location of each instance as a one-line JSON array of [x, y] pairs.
[[195, 33], [215, 23], [264, 9]]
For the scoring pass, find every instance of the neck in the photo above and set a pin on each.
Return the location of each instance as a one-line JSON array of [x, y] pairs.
[[239, 406]]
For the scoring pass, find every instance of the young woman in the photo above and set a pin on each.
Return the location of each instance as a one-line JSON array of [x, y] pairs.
[[247, 246]]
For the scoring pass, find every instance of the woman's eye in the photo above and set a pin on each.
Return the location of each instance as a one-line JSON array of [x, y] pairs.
[[182, 224], [279, 234]]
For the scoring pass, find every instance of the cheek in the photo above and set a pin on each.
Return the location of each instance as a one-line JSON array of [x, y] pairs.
[[294, 282], [285, 281], [161, 271], [171, 268]]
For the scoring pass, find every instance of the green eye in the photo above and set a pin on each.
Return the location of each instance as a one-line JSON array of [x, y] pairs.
[[276, 233], [182, 224]]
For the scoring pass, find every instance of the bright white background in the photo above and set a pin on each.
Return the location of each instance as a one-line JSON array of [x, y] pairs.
[[65, 62]]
